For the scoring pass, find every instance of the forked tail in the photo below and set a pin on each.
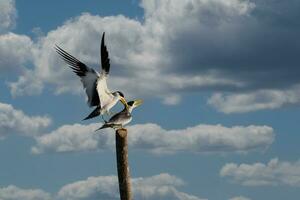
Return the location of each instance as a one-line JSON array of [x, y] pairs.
[[95, 113], [106, 125]]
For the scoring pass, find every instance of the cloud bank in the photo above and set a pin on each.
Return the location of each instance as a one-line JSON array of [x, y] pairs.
[[14, 121], [180, 47], [155, 139], [256, 100], [162, 186], [12, 192], [274, 173]]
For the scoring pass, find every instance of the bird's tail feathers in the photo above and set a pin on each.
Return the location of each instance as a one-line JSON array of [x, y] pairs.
[[95, 113], [104, 126]]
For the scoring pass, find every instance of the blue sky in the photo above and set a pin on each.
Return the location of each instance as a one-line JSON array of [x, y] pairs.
[[220, 86]]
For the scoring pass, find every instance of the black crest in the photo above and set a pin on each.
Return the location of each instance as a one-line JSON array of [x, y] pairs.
[[130, 103], [121, 94]]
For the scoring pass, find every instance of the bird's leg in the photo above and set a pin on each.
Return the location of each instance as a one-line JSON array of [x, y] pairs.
[[110, 113], [115, 127], [103, 119]]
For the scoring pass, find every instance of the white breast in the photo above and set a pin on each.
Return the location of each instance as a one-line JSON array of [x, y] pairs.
[[126, 121], [109, 105]]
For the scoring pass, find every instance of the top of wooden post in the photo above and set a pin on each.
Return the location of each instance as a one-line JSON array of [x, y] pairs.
[[122, 132]]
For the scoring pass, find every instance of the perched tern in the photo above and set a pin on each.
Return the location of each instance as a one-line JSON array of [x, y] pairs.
[[122, 118]]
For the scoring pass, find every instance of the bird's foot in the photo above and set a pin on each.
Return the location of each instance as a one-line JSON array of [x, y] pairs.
[[117, 126]]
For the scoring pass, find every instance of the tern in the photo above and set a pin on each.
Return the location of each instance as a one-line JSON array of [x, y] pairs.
[[122, 118], [94, 83]]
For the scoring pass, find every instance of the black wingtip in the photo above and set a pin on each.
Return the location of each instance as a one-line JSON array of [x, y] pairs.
[[103, 36], [56, 47]]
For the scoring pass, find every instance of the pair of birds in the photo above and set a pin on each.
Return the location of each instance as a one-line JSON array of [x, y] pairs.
[[95, 85]]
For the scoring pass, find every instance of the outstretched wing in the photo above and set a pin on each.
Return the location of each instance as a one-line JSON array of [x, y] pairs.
[[105, 65], [103, 91], [87, 75]]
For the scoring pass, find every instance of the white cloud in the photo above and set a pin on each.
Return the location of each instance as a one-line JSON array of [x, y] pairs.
[[27, 84], [274, 173], [153, 138], [8, 15], [14, 193], [102, 187], [159, 187], [162, 186], [179, 47], [138, 51], [239, 198], [76, 137], [15, 121], [256, 100], [15, 51], [200, 138], [122, 33]]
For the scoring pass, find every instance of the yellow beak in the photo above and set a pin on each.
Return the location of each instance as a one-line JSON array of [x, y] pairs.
[[124, 102], [138, 102]]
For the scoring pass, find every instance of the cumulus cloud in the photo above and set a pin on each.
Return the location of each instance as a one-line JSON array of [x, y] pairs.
[[180, 47], [102, 187], [162, 186], [240, 198], [76, 137], [274, 173], [122, 33], [15, 121], [15, 51], [140, 51], [155, 139], [27, 84], [8, 15], [256, 100], [14, 193]]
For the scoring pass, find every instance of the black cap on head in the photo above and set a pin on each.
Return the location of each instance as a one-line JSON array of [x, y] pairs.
[[121, 94], [130, 103]]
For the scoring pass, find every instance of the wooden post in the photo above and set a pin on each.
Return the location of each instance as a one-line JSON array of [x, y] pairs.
[[122, 164]]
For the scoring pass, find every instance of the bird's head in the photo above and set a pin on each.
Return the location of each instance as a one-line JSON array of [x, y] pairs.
[[121, 97], [134, 104]]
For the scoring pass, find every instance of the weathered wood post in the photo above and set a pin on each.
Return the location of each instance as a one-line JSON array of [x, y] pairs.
[[122, 164]]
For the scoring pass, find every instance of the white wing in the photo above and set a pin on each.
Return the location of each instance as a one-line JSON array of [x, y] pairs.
[[87, 75], [105, 95]]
